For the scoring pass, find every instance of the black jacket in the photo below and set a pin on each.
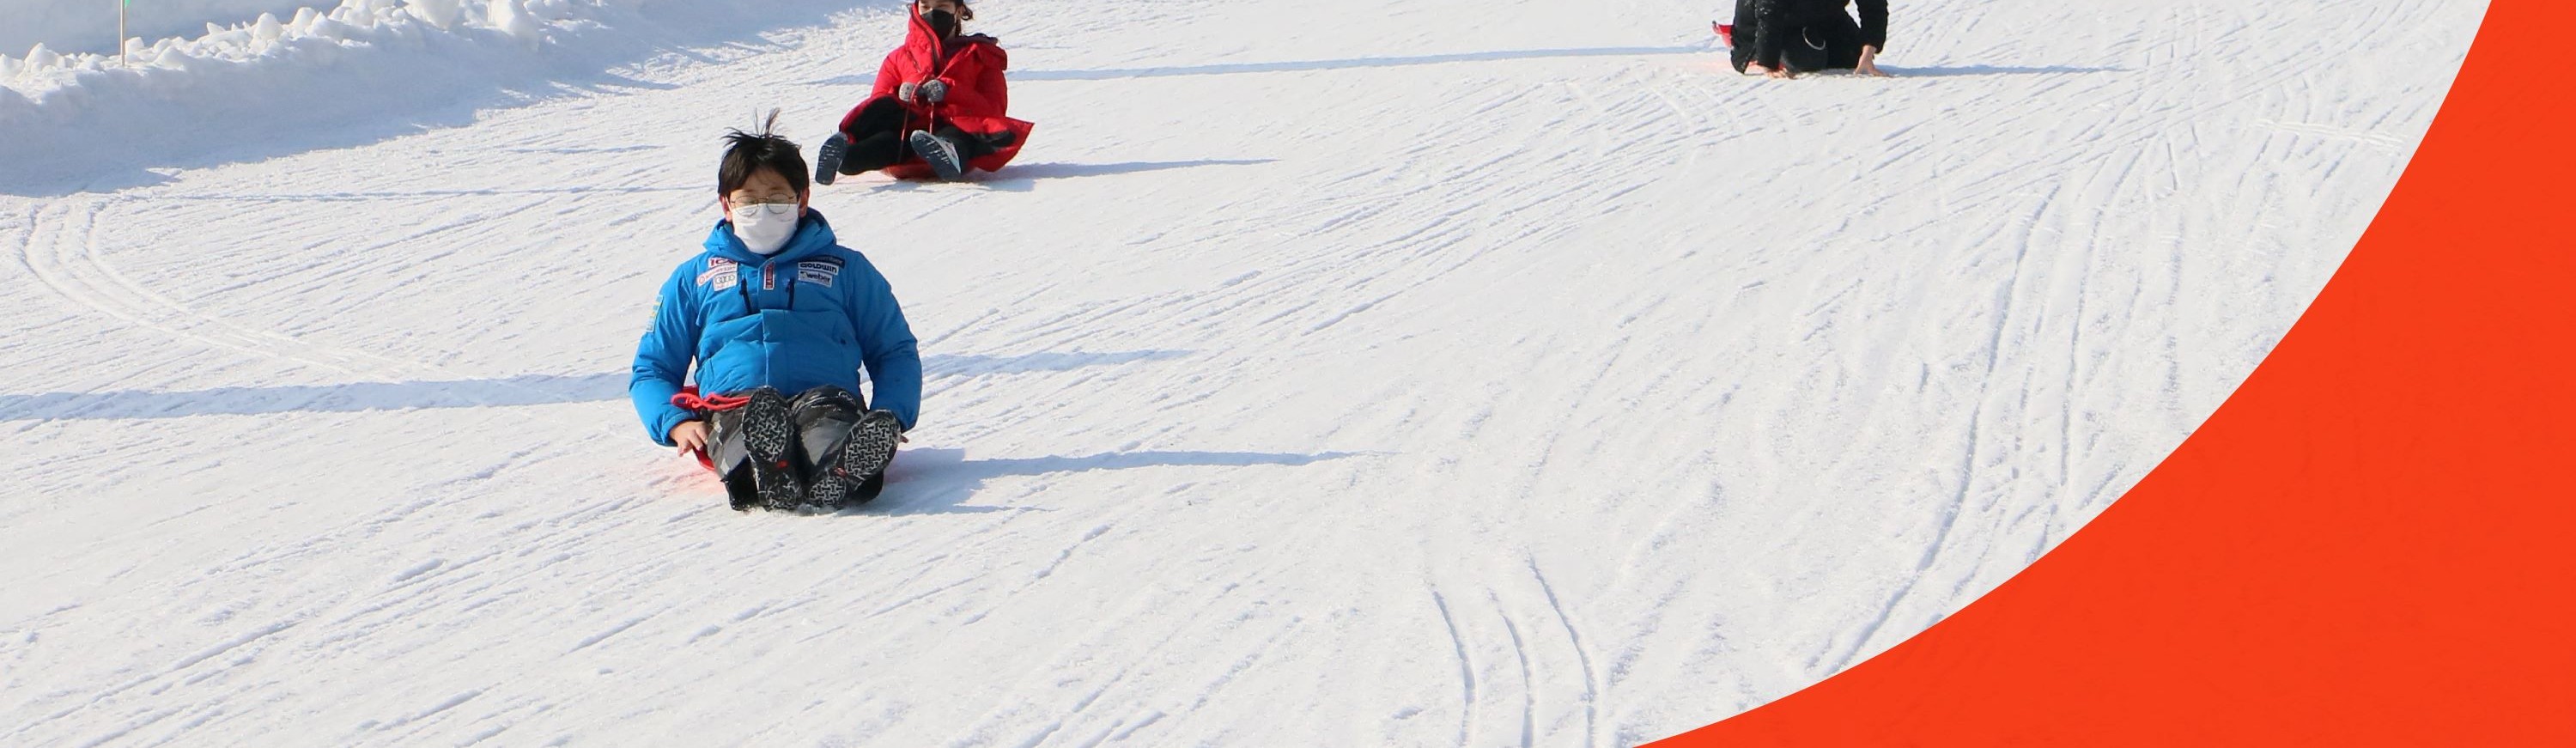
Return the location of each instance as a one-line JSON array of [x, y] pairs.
[[1770, 25]]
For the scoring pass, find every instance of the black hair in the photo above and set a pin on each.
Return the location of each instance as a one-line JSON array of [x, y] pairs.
[[747, 153]]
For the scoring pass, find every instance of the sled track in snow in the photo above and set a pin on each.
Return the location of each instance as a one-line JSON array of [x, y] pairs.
[[70, 266]]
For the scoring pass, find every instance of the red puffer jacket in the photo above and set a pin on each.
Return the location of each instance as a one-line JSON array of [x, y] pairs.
[[977, 101]]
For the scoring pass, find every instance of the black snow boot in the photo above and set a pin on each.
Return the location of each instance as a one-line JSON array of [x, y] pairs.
[[849, 444], [755, 451], [870, 450]]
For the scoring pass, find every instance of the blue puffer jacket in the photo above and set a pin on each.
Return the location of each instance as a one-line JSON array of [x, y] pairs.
[[808, 316]]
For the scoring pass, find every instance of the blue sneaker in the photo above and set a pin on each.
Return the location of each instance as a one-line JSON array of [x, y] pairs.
[[827, 160]]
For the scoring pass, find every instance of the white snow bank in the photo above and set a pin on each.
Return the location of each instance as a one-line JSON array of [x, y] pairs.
[[90, 25], [238, 89]]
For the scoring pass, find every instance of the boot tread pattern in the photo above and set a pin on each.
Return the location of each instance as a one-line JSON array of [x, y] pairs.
[[767, 435], [871, 445]]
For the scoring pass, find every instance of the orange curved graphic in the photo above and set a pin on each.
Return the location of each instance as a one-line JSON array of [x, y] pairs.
[[2373, 542]]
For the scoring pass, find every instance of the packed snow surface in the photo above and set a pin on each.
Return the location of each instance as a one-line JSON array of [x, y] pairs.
[[1491, 372]]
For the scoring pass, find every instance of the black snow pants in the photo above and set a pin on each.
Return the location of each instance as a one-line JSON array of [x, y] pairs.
[[1810, 35], [1831, 44], [878, 138]]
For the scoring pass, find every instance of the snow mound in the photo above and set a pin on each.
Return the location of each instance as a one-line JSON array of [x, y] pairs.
[[241, 87], [90, 25]]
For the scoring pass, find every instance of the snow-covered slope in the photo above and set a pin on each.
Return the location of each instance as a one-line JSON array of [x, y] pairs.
[[1324, 373]]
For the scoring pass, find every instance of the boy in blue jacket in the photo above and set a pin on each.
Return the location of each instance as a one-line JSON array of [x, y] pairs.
[[775, 305]]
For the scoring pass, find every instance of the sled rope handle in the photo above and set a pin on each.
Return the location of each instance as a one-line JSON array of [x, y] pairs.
[[690, 400]]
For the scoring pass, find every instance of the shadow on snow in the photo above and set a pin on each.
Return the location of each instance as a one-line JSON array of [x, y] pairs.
[[939, 480], [1973, 70], [1302, 65], [1023, 178], [407, 195], [535, 389]]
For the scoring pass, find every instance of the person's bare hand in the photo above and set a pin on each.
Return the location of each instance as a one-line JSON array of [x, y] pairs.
[[1781, 72], [1756, 68], [1869, 63], [690, 436]]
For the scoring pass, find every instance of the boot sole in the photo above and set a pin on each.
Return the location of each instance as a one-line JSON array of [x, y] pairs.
[[871, 446], [942, 160], [832, 490], [767, 434], [827, 160]]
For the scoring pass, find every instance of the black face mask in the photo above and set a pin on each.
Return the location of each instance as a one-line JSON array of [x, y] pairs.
[[942, 22]]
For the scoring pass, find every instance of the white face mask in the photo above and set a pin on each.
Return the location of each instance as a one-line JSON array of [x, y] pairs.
[[764, 228]]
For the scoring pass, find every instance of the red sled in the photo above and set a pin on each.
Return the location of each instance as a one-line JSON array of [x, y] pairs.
[[1725, 33]]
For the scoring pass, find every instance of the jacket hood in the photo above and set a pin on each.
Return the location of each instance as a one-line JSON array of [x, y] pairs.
[[813, 236], [921, 39]]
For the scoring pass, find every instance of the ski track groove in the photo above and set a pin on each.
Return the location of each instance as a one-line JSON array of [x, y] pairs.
[[1466, 671], [1583, 658], [1529, 683]]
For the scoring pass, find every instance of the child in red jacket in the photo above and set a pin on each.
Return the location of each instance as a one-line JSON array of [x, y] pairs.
[[939, 106]]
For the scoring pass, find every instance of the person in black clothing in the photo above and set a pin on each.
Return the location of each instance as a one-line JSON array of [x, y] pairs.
[[1782, 38]]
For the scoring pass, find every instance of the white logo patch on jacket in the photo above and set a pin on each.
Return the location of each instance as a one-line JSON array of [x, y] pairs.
[[819, 272], [721, 274]]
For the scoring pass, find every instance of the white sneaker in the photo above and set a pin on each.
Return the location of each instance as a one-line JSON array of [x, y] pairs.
[[939, 153]]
